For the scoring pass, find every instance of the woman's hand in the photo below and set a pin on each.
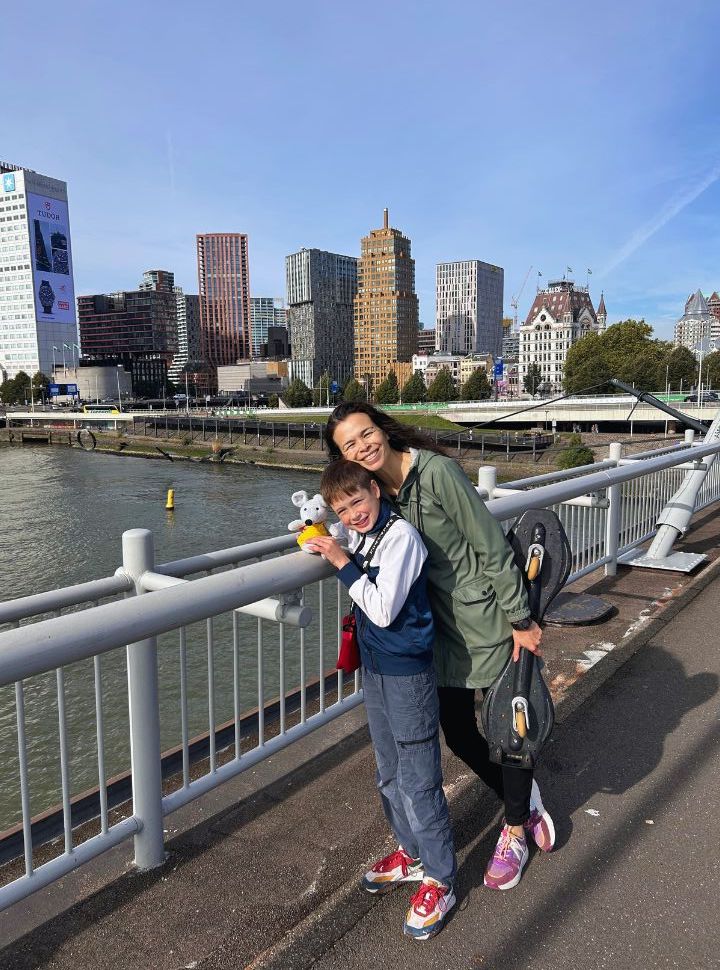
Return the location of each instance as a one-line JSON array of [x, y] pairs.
[[329, 549], [527, 639]]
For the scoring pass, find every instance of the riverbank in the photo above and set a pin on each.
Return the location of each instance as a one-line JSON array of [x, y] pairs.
[[313, 457]]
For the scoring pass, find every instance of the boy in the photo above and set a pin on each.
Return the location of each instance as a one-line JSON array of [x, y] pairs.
[[385, 578]]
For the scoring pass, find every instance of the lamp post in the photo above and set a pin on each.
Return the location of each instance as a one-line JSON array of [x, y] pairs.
[[76, 359], [54, 351], [667, 392], [187, 398], [64, 364], [117, 375]]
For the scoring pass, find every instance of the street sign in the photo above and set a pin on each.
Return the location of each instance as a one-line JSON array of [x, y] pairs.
[[498, 370], [334, 387]]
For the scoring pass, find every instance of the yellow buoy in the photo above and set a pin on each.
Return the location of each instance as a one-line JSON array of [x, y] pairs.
[[170, 504]]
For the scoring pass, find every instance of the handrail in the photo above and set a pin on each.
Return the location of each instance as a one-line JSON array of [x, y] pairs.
[[43, 646], [546, 495]]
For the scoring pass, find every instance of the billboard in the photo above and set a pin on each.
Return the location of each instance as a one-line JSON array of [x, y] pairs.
[[51, 259]]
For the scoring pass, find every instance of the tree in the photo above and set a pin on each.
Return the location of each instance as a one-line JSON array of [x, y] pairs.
[[443, 387], [388, 392], [40, 382], [414, 390], [16, 390], [320, 394], [477, 386], [298, 394], [645, 369], [625, 350], [533, 379], [682, 368], [711, 369], [353, 392]]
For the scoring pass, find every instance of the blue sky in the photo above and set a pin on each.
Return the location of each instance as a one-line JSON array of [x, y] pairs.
[[550, 134]]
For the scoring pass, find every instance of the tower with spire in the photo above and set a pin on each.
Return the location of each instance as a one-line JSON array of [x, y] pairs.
[[601, 313]]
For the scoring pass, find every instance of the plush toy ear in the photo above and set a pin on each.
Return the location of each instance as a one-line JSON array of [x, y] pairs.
[[299, 498], [319, 500]]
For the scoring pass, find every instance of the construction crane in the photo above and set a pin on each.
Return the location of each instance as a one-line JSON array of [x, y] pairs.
[[514, 301]]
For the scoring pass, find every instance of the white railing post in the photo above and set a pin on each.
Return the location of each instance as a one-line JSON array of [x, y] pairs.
[[138, 558], [487, 479], [612, 522]]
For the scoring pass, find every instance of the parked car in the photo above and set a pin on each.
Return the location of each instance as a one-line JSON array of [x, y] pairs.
[[706, 397]]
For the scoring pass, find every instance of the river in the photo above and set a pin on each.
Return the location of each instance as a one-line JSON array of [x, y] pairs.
[[64, 512]]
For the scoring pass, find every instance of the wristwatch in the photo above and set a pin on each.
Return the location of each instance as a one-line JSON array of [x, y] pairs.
[[522, 624]]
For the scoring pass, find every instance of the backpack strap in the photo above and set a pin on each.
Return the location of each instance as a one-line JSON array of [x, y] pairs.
[[368, 557]]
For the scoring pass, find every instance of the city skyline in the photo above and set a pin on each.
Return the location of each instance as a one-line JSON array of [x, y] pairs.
[[610, 163]]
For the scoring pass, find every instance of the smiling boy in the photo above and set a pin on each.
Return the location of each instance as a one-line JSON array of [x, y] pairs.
[[385, 577]]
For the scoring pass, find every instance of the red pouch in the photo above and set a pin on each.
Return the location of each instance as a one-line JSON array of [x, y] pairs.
[[349, 657]]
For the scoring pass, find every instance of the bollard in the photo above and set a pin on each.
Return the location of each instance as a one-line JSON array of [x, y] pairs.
[[143, 697], [612, 522], [170, 503], [487, 480]]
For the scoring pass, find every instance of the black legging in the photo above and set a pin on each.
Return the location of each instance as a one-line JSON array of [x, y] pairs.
[[459, 724]]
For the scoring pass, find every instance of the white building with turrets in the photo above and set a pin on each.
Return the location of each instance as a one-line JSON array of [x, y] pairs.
[[559, 316]]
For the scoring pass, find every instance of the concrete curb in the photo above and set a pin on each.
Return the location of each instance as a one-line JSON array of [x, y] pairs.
[[341, 911]]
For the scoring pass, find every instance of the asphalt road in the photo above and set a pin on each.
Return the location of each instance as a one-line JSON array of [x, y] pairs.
[[632, 781]]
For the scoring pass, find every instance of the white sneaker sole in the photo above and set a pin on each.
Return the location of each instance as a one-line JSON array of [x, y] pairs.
[[378, 888]]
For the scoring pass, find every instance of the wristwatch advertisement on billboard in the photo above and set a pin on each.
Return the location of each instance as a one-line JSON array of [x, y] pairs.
[[51, 259]]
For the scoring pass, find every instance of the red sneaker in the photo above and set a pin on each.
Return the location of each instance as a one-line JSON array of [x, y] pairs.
[[393, 869]]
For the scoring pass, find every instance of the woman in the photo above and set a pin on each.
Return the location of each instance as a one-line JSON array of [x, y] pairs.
[[478, 601]]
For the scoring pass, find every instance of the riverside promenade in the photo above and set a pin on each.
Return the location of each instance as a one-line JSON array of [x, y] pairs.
[[263, 872]]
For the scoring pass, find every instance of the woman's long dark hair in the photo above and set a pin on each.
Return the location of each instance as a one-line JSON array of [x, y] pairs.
[[400, 436]]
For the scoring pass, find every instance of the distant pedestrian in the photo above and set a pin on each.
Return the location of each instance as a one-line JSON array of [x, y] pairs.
[[385, 576]]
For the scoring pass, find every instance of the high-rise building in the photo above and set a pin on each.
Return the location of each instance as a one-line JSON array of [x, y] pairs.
[[37, 297], [158, 279], [469, 300], [321, 287], [426, 341], [386, 307], [559, 316], [265, 312], [698, 327], [136, 328], [189, 343], [224, 290]]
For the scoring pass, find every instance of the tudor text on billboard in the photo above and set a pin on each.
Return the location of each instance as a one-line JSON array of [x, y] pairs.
[[51, 259]]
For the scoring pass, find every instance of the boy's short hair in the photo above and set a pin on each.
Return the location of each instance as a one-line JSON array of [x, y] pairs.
[[343, 477]]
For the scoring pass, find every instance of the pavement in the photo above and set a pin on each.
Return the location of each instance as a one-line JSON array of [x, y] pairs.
[[263, 872]]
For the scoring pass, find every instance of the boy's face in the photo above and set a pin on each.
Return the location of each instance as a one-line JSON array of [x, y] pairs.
[[360, 510]]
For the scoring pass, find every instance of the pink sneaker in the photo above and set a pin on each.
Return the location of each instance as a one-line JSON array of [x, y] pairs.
[[540, 826], [508, 861]]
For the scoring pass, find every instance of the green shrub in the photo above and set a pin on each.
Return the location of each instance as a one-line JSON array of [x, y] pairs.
[[574, 456]]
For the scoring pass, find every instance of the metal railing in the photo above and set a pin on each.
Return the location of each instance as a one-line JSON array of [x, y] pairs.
[[223, 661]]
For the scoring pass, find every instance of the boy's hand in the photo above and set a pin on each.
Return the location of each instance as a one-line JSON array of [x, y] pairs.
[[329, 549]]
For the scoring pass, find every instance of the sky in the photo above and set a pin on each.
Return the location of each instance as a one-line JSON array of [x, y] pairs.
[[552, 135]]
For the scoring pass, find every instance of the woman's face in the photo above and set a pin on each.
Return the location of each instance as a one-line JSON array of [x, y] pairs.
[[360, 440]]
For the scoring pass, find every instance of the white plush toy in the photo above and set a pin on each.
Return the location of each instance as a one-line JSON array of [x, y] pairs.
[[313, 514]]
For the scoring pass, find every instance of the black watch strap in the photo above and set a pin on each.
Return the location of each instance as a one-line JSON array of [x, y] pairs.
[[522, 624]]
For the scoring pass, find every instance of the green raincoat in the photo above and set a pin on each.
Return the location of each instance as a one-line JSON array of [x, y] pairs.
[[475, 589]]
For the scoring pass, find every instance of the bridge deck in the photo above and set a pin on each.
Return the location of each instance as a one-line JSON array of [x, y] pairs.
[[273, 858]]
